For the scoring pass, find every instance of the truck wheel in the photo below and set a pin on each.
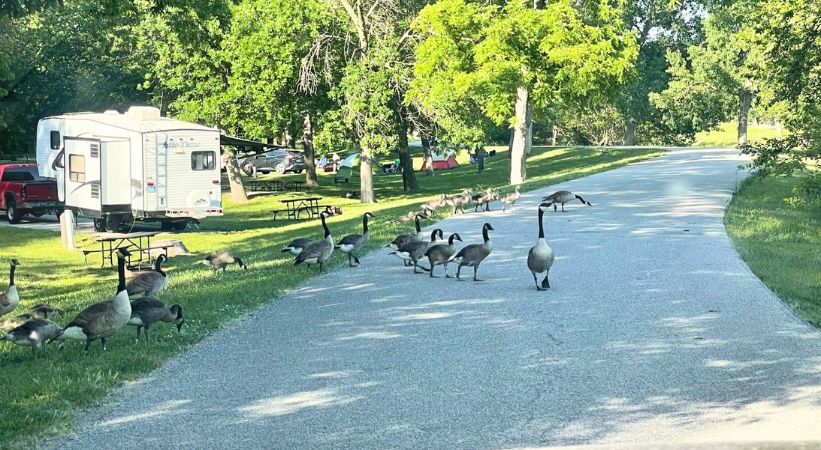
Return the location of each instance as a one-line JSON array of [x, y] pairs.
[[280, 168], [248, 168], [14, 215], [99, 225]]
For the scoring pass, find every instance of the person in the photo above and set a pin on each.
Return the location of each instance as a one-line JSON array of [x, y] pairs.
[[336, 162], [323, 162]]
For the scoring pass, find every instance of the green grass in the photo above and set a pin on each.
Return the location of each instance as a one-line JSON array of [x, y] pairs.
[[39, 397], [727, 135], [780, 242]]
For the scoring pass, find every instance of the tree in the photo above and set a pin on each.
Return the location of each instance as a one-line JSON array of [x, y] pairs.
[[508, 59]]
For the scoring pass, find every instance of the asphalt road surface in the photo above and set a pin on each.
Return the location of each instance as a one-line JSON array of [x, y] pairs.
[[654, 331]]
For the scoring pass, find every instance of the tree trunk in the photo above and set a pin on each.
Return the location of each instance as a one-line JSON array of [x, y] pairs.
[[308, 143], [366, 176], [290, 138], [555, 138], [408, 175], [529, 129], [428, 154], [519, 149], [238, 194], [480, 158], [746, 100], [510, 143], [630, 132], [778, 128]]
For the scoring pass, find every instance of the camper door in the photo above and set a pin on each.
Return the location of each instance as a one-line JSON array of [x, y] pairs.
[[82, 175]]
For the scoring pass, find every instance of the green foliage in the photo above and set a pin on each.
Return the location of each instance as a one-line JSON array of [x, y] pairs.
[[472, 57]]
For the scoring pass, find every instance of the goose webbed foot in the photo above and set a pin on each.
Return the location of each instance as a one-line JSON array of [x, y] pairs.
[[545, 282]]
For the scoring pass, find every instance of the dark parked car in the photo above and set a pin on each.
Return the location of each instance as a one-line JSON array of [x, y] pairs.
[[279, 160]]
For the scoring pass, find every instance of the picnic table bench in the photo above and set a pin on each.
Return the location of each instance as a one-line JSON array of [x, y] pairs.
[[296, 207], [139, 241]]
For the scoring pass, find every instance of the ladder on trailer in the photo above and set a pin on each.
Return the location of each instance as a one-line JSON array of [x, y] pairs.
[[161, 165]]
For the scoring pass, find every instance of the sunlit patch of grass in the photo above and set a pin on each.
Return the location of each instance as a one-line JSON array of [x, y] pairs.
[[40, 395], [780, 242], [727, 135]]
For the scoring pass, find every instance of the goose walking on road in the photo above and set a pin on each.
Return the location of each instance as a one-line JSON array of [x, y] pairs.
[[510, 198], [352, 243], [441, 253], [11, 298], [103, 319], [317, 252], [473, 254], [563, 197], [540, 257], [412, 252]]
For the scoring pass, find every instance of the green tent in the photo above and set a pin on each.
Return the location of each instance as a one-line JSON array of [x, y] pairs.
[[349, 169]]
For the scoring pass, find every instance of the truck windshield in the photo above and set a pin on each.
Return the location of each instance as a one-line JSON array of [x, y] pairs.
[[21, 174]]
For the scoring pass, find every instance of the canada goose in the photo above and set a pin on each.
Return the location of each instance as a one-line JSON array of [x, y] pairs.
[[317, 252], [510, 198], [485, 199], [540, 257], [441, 253], [149, 310], [433, 205], [352, 243], [103, 319], [220, 260], [404, 238], [33, 333], [459, 201], [11, 298], [10, 323], [148, 283], [473, 254], [44, 311], [296, 246], [563, 197], [413, 251]]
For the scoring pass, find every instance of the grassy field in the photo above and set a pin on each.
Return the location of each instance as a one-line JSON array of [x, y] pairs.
[[780, 242], [727, 135], [40, 396]]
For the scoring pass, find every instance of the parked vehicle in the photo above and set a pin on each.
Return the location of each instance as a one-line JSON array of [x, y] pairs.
[[281, 160], [117, 168], [25, 192]]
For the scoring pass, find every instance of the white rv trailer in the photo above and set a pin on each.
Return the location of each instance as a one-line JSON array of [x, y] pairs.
[[119, 167]]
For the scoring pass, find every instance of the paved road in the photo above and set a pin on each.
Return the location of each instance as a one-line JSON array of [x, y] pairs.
[[45, 222], [654, 331]]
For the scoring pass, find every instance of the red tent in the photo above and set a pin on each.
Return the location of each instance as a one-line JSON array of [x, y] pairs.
[[441, 163]]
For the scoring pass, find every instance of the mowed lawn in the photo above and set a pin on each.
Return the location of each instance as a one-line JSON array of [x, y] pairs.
[[39, 396], [780, 242], [727, 135]]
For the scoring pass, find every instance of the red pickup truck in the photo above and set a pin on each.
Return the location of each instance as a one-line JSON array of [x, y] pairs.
[[23, 191]]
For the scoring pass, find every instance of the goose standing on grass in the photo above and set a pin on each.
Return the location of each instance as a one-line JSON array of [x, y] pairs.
[[296, 246], [441, 253], [149, 310], [11, 298], [352, 243], [540, 257], [103, 319], [10, 323], [510, 198], [412, 252], [32, 333], [563, 197], [148, 283], [220, 260], [44, 311], [317, 252], [473, 254]]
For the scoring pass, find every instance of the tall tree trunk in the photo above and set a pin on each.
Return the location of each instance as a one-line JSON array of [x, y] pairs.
[[308, 143], [744, 111], [366, 176], [290, 137], [554, 139], [529, 129], [630, 132], [480, 158], [519, 150], [428, 154], [408, 175], [510, 142], [238, 194]]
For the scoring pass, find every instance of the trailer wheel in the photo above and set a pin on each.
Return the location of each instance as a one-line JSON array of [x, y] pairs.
[[99, 225], [14, 215]]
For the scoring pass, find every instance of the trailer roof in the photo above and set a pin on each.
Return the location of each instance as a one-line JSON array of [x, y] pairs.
[[130, 123]]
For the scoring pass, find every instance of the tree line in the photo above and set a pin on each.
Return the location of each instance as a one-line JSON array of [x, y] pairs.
[[360, 75]]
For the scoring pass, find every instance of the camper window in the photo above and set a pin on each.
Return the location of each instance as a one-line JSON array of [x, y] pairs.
[[203, 160], [77, 168], [55, 140]]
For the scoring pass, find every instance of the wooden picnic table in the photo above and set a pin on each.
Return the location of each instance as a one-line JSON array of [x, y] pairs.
[[111, 242], [275, 185], [294, 207]]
